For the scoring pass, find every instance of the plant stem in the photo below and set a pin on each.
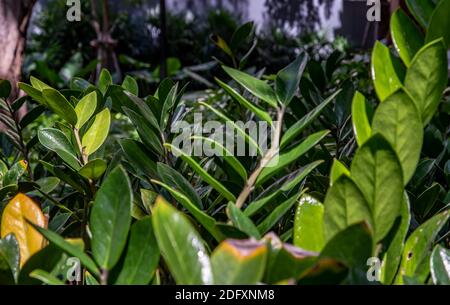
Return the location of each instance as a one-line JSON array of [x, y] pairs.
[[268, 156]]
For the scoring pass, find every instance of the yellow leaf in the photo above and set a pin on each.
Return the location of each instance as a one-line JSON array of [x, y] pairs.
[[14, 220]]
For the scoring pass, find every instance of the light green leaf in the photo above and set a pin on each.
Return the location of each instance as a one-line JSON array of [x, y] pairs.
[[85, 108], [256, 86], [94, 169], [141, 256], [56, 141], [45, 277], [398, 120], [97, 132], [378, 173], [344, 206], [241, 221], [131, 85], [426, 78], [385, 71], [38, 84], [440, 265], [361, 124], [283, 160], [111, 218], [104, 81], [181, 246], [416, 254], [60, 105], [407, 38], [288, 79], [308, 224], [338, 169]]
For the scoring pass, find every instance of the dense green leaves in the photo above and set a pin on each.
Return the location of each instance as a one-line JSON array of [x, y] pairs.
[[398, 120], [181, 246], [426, 78], [110, 218]]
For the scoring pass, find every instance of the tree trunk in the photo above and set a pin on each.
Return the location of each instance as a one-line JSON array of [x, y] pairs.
[[14, 19]]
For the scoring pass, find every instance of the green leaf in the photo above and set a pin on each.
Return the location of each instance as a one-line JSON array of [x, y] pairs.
[[111, 218], [344, 206], [32, 115], [283, 160], [416, 254], [9, 260], [94, 169], [97, 133], [16, 171], [385, 71], [256, 86], [142, 255], [241, 34], [34, 93], [176, 180], [407, 38], [202, 173], [56, 141], [440, 265], [378, 174], [239, 262], [60, 105], [86, 108], [241, 221], [137, 155], [38, 84], [426, 78], [104, 81], [131, 85], [393, 254], [276, 214], [181, 246], [439, 23], [5, 88], [398, 120], [293, 131], [286, 261], [308, 224], [204, 219], [263, 115], [421, 10], [69, 248], [361, 124], [256, 205], [351, 246], [45, 277], [287, 80], [338, 169]]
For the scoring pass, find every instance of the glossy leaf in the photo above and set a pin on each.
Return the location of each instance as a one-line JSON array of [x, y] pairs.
[[111, 218], [439, 23], [398, 120], [104, 81], [421, 10], [308, 224], [181, 246], [284, 159], [136, 154], [361, 124], [94, 169], [60, 105], [416, 254], [344, 206], [97, 132], [9, 260], [440, 265], [384, 71], [86, 108], [239, 262], [377, 172], [46, 277], [141, 256], [15, 219], [256, 86], [34, 93], [407, 38], [56, 141], [131, 85], [241, 221], [16, 171], [287, 80], [337, 170], [426, 78]]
